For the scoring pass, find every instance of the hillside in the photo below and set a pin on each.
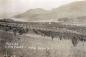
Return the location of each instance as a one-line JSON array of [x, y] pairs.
[[32, 14], [73, 12]]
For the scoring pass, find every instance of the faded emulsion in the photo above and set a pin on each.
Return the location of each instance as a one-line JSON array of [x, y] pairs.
[[37, 32]]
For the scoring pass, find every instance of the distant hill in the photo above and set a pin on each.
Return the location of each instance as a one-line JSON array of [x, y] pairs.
[[73, 12], [32, 14]]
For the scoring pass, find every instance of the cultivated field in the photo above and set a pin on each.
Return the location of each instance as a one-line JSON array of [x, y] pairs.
[[38, 45]]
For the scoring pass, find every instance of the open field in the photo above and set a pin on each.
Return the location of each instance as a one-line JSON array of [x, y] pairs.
[[38, 45]]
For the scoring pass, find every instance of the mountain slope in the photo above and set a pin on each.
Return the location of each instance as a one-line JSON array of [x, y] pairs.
[[71, 11], [32, 14]]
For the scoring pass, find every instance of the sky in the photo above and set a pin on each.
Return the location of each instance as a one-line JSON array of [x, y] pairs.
[[11, 7]]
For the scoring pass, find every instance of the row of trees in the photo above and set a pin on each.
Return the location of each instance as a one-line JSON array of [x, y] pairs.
[[62, 35], [15, 28]]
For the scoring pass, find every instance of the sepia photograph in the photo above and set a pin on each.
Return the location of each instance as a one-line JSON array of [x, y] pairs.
[[42, 28]]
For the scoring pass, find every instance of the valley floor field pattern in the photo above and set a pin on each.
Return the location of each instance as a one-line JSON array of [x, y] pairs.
[[43, 39]]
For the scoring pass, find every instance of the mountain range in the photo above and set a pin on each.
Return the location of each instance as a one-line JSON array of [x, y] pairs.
[[74, 12]]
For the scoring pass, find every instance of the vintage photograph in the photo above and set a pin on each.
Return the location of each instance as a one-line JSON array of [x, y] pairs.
[[42, 28]]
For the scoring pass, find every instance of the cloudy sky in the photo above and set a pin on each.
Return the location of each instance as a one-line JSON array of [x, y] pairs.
[[10, 7]]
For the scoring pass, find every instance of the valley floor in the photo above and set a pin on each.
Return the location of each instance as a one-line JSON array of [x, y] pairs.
[[32, 45]]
